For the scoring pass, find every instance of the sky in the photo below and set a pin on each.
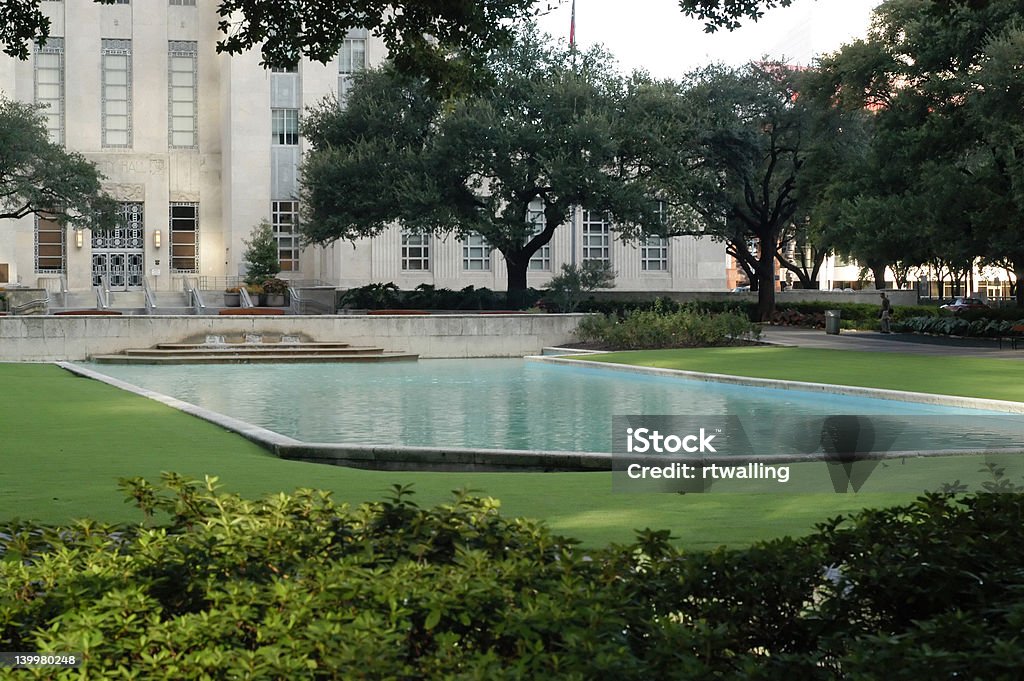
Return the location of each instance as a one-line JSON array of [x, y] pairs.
[[655, 34]]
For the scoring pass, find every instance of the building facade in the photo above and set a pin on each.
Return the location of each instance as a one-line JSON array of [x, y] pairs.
[[198, 148]]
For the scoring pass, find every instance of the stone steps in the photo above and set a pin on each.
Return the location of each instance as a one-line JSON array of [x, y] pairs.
[[250, 350], [325, 345], [255, 358], [239, 352]]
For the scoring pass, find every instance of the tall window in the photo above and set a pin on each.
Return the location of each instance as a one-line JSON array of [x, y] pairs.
[[597, 237], [476, 254], [49, 86], [654, 254], [284, 126], [284, 217], [184, 229], [117, 93], [351, 59], [541, 260], [50, 255], [182, 104], [415, 251]]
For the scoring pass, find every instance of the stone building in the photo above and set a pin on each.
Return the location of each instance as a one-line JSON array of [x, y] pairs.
[[199, 147]]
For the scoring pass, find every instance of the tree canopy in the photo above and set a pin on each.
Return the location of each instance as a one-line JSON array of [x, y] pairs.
[[739, 166], [550, 132], [941, 181], [40, 177]]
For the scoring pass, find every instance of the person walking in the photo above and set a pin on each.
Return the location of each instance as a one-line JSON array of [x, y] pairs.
[[885, 313]]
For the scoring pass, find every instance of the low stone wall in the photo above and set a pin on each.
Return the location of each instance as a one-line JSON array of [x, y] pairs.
[[53, 338]]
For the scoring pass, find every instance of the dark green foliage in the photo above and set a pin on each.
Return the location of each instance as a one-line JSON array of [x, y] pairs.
[[427, 297], [261, 255], [40, 177], [728, 14], [960, 326], [566, 289], [938, 179], [558, 130], [652, 329], [857, 313], [214, 586]]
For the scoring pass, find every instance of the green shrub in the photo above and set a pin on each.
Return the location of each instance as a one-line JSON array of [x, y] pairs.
[[648, 329], [261, 254], [427, 297], [566, 289], [958, 326], [214, 586]]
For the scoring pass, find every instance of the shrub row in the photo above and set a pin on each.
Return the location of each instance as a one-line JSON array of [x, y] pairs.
[[649, 329], [427, 297], [301, 587], [960, 326], [812, 311]]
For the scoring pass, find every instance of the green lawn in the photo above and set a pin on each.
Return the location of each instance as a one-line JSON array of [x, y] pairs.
[[966, 376], [64, 442]]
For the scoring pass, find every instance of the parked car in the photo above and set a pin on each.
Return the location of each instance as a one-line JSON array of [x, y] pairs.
[[960, 304]]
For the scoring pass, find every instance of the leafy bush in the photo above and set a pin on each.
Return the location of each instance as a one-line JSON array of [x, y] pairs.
[[214, 586], [650, 329], [275, 286], [427, 297], [566, 289], [959, 326]]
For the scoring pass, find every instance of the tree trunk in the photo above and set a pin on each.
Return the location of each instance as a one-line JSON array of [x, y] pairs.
[[766, 287], [878, 272], [517, 267]]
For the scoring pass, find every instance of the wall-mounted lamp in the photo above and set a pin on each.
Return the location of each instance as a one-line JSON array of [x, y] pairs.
[[156, 239], [79, 238]]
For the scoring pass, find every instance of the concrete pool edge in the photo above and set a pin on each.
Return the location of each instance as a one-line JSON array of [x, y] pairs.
[[376, 457], [831, 388], [453, 459], [261, 436]]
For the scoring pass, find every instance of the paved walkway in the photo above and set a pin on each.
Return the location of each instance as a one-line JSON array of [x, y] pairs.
[[896, 342]]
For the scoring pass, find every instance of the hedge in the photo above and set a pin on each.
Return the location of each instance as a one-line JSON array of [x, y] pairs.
[[961, 326], [297, 586], [427, 297]]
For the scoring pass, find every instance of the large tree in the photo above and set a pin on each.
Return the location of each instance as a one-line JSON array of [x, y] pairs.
[[946, 164], [738, 173], [40, 177], [557, 128]]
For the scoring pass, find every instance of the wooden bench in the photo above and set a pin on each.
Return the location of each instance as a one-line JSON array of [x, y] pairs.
[[1014, 338]]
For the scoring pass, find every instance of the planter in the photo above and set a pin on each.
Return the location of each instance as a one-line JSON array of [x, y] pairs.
[[232, 300], [274, 299]]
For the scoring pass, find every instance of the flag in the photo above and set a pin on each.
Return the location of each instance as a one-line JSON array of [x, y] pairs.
[[572, 27]]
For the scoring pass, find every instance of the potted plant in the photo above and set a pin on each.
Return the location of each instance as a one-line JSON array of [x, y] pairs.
[[232, 298], [275, 290], [255, 292]]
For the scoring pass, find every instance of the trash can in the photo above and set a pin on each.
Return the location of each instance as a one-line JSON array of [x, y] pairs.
[[832, 322]]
